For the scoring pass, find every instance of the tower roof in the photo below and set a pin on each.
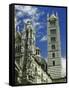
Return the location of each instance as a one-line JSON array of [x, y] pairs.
[[37, 48], [52, 17], [28, 21]]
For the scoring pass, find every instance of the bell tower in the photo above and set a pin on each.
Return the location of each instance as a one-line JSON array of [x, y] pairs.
[[54, 50]]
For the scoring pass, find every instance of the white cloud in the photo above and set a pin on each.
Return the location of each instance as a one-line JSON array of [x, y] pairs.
[[25, 20], [19, 14], [25, 10], [63, 69], [32, 12], [29, 11], [44, 38], [18, 22], [41, 26], [36, 24], [39, 34]]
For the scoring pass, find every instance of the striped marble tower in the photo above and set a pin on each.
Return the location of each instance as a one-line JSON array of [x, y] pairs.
[[54, 50]]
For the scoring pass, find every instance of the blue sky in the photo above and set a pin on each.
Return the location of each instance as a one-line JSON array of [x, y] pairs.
[[39, 17]]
